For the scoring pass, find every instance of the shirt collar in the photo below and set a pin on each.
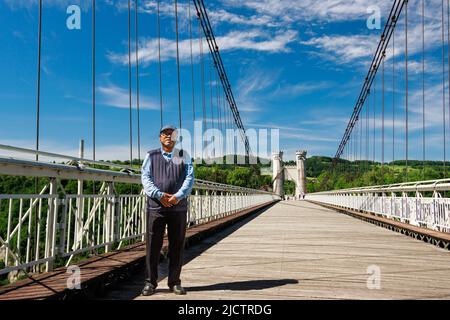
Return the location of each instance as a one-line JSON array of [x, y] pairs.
[[168, 154]]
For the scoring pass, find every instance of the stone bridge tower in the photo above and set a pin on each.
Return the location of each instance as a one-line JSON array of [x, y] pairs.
[[296, 173], [278, 173], [300, 185]]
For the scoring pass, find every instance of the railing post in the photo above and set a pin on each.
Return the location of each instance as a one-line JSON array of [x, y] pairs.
[[404, 206], [109, 217], [392, 199], [196, 206], [238, 201], [79, 214], [234, 201], [227, 201], [201, 201], [220, 204], [144, 216], [62, 227], [8, 234], [208, 204], [214, 204], [52, 215], [117, 212], [412, 215]]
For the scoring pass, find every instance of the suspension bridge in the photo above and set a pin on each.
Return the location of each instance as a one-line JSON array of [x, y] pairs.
[[81, 233]]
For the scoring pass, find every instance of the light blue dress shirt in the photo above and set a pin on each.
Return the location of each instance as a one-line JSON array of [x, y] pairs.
[[152, 190]]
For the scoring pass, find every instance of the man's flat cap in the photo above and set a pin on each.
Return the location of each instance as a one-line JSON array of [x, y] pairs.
[[167, 127]]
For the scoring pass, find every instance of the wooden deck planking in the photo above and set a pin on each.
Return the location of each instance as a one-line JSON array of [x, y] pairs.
[[54, 284], [298, 250]]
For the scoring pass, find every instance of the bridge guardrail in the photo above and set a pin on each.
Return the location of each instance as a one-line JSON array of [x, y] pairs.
[[421, 203], [52, 227]]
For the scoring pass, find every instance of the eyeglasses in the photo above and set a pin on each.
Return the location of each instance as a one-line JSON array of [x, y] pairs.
[[166, 134]]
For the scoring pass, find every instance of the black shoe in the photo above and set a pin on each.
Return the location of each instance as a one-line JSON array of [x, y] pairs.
[[148, 290], [178, 289]]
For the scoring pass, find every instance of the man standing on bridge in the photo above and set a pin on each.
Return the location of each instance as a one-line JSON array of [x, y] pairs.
[[168, 178]]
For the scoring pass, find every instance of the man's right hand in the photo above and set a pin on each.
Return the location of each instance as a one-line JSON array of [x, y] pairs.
[[165, 200]]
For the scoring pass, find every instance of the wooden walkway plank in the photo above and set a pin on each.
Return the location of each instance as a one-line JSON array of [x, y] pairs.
[[53, 285], [299, 250]]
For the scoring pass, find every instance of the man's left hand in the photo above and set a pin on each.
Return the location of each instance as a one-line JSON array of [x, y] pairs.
[[173, 200]]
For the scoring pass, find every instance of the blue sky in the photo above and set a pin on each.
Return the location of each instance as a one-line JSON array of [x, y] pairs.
[[293, 65]]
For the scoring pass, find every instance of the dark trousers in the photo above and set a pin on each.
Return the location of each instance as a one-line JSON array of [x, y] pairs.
[[176, 231]]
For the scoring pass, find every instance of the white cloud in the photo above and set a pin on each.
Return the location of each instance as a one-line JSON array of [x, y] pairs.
[[289, 11], [326, 121], [215, 15], [254, 40], [344, 48], [221, 15], [252, 87], [302, 88], [276, 126], [114, 96], [256, 81], [310, 137], [29, 4], [361, 48]]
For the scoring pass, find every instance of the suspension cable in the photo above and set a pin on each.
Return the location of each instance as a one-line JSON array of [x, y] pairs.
[[215, 53], [373, 121], [393, 99], [178, 66], [226, 113], [367, 131], [355, 148], [423, 89], [443, 87], [158, 31], [354, 144], [448, 46], [211, 93], [361, 130], [382, 113], [93, 79], [356, 141], [406, 89], [352, 140], [38, 85], [38, 107], [219, 124], [129, 83], [93, 88], [386, 36], [192, 70], [361, 141], [192, 60], [219, 111], [137, 78], [202, 73], [448, 49]]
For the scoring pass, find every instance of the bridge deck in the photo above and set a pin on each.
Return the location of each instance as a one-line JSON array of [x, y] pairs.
[[298, 250]]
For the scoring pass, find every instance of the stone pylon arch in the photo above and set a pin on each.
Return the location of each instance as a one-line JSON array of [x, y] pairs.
[[293, 173]]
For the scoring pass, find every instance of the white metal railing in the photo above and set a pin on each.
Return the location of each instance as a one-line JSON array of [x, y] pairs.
[[418, 203], [51, 228]]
